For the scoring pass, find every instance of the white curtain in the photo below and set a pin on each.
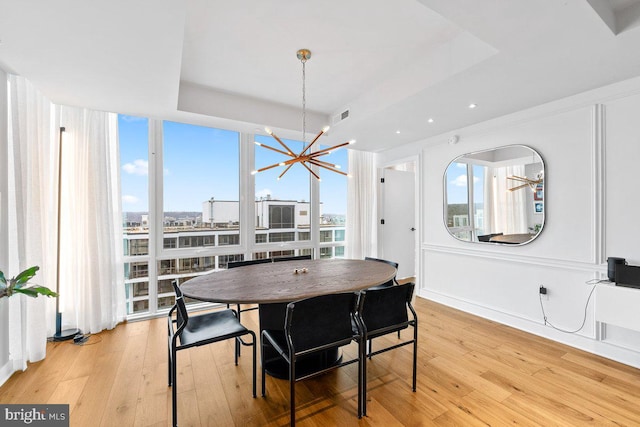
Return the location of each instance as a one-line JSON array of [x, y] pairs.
[[91, 274], [362, 228], [31, 218], [91, 286], [506, 209]]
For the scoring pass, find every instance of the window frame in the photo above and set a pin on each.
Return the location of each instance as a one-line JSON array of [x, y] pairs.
[[247, 247]]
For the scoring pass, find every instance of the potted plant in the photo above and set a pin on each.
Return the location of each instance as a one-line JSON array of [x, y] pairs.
[[20, 285]]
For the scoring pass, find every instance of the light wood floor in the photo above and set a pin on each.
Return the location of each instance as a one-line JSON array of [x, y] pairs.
[[471, 372]]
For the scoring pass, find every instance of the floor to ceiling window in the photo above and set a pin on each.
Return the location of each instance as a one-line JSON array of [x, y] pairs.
[[183, 190], [134, 181], [333, 206], [283, 206]]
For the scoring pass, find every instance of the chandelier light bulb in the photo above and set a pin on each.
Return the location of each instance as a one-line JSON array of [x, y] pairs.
[[269, 131], [326, 129]]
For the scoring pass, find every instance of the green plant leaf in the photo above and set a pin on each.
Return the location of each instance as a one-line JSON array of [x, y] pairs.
[[44, 291], [34, 291], [2, 279], [26, 275]]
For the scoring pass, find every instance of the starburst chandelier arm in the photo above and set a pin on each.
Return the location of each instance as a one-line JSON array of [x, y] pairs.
[[314, 140], [285, 170], [309, 169], [518, 187], [275, 149], [268, 167], [518, 178], [320, 162], [327, 150], [280, 141], [314, 162]]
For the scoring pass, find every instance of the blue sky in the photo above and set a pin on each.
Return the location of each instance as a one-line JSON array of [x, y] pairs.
[[456, 180], [201, 162]]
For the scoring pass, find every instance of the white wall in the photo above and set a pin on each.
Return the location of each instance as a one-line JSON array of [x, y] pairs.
[[4, 255], [590, 144]]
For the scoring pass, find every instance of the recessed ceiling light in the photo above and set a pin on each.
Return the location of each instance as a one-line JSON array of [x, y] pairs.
[[472, 105], [398, 131], [430, 120]]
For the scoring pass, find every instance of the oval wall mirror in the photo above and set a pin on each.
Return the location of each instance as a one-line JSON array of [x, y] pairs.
[[495, 196]]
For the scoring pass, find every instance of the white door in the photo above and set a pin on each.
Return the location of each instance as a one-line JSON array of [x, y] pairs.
[[399, 229]]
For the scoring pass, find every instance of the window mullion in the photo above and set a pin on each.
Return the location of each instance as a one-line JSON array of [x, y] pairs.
[[155, 209], [247, 194]]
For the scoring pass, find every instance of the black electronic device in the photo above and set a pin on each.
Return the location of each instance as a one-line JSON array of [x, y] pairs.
[[628, 275], [612, 263]]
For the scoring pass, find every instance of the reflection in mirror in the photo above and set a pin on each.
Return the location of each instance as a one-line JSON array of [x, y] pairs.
[[495, 196]]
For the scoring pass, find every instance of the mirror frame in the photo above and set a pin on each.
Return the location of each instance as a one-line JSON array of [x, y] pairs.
[[474, 238]]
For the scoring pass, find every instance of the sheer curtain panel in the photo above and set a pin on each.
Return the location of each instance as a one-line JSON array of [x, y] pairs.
[[507, 208], [31, 218], [362, 227], [91, 273]]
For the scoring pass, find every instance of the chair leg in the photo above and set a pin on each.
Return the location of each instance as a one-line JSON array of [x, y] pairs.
[[238, 346], [363, 375], [169, 364], [253, 336], [174, 387], [292, 390], [415, 355], [361, 391], [262, 368]]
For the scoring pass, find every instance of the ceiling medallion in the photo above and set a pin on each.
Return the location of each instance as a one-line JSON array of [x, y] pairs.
[[306, 158]]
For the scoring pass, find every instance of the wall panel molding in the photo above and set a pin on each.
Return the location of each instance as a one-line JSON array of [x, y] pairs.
[[517, 258], [598, 196]]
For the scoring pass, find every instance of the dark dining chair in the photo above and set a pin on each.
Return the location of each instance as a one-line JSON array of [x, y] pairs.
[[391, 263], [314, 325], [186, 331], [236, 264], [384, 311], [391, 282], [292, 258]]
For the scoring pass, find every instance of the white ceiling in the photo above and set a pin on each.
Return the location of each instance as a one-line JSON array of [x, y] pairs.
[[393, 64]]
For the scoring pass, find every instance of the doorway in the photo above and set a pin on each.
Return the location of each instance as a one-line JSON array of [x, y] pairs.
[[398, 217]]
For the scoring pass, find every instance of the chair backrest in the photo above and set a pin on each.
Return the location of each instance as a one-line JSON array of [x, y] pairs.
[[235, 264], [391, 263], [394, 264], [182, 315], [385, 307], [292, 258], [487, 237], [320, 321]]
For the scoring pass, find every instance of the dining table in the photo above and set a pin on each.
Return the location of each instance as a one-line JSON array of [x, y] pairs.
[[273, 285]]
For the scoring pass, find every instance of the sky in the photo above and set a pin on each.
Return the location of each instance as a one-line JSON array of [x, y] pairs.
[[456, 180], [201, 163]]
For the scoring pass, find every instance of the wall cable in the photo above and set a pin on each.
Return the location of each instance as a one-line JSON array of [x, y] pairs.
[[584, 320]]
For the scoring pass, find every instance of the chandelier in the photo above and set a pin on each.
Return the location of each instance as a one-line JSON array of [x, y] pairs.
[[305, 157], [525, 182]]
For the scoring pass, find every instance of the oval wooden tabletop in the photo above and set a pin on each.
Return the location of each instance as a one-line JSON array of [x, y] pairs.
[[278, 282]]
